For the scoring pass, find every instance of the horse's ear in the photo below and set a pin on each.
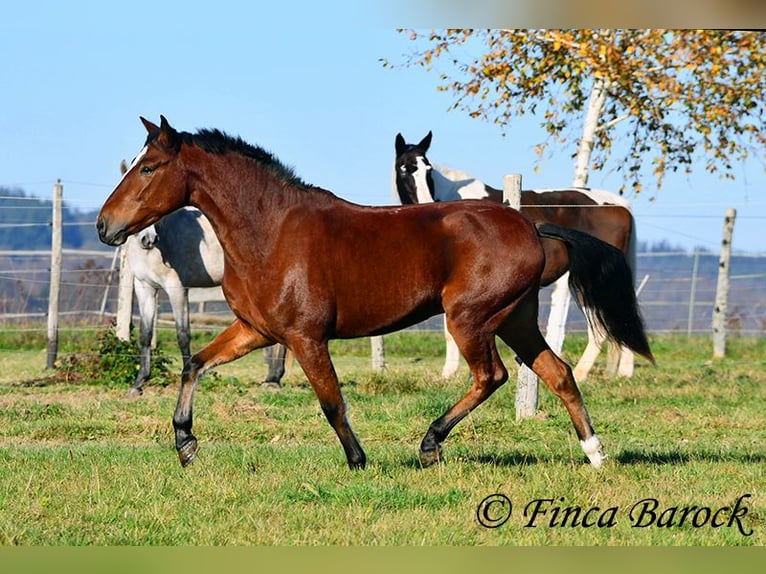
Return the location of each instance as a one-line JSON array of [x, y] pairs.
[[168, 138], [425, 143], [150, 127], [399, 144]]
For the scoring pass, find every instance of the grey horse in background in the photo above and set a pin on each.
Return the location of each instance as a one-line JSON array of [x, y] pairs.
[[178, 252]]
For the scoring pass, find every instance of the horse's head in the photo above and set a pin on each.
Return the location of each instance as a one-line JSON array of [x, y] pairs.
[[153, 185], [147, 238], [412, 171]]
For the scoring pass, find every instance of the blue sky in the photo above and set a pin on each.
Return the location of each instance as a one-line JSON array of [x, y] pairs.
[[302, 80]]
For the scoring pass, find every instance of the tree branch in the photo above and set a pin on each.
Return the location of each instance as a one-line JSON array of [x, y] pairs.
[[611, 124]]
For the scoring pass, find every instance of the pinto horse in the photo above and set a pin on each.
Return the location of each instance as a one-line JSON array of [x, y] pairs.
[[418, 181], [178, 252], [303, 266]]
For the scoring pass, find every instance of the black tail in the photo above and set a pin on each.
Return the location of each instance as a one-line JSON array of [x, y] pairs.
[[602, 282]]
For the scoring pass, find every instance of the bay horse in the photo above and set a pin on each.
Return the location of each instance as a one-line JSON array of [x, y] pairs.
[[177, 252], [419, 181], [303, 266]]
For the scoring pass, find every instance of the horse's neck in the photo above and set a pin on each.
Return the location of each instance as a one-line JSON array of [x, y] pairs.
[[444, 188], [246, 204], [190, 246], [450, 185]]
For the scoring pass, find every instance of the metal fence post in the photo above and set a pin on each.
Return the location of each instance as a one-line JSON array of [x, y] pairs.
[[693, 294]]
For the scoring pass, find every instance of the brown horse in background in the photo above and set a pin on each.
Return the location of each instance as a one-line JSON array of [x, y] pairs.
[[596, 212], [303, 266]]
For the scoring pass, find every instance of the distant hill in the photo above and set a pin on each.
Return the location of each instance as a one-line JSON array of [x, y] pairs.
[[25, 223]]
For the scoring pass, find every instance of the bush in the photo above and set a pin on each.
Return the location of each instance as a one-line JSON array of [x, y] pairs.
[[115, 363]]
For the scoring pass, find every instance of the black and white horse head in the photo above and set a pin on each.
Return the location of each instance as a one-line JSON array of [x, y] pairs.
[[413, 172], [417, 181]]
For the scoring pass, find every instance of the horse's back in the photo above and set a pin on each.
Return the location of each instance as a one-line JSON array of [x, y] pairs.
[[455, 233], [473, 247], [378, 269], [599, 213]]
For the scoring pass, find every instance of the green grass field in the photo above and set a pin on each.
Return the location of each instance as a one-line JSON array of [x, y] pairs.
[[81, 464]]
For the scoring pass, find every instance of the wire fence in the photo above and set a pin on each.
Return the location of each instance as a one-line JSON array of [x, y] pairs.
[[679, 295]]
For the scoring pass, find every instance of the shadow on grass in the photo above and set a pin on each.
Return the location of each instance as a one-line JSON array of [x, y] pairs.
[[627, 457], [683, 457], [508, 459]]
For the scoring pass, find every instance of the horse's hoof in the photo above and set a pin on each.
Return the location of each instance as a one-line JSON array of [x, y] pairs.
[[594, 450], [270, 386], [428, 458], [188, 451], [134, 392]]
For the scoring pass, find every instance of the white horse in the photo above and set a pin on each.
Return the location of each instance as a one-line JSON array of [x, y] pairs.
[[178, 252], [417, 181]]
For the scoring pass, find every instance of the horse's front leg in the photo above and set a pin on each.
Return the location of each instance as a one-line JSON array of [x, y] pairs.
[[233, 342], [314, 358], [147, 310], [179, 303]]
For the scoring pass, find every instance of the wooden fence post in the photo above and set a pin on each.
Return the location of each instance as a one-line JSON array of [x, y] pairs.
[[378, 353], [526, 387], [109, 279], [124, 297], [722, 288], [55, 283]]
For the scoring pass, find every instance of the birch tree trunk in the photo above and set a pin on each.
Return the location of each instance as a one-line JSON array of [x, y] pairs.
[[561, 296], [722, 288]]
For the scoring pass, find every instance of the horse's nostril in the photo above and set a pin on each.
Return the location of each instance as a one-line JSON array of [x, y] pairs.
[[101, 227]]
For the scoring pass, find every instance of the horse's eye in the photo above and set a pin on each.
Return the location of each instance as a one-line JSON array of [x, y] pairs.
[[146, 170]]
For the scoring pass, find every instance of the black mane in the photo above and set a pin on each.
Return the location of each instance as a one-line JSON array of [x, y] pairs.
[[218, 142]]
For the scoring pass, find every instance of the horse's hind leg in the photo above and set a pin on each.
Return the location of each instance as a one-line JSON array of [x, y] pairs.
[[488, 372], [589, 356], [627, 363], [274, 357], [521, 333], [233, 342], [452, 358]]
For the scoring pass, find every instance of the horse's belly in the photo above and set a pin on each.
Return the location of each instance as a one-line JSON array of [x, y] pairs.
[[382, 316]]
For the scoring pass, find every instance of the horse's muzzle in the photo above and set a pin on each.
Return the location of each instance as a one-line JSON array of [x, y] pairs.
[[110, 236]]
